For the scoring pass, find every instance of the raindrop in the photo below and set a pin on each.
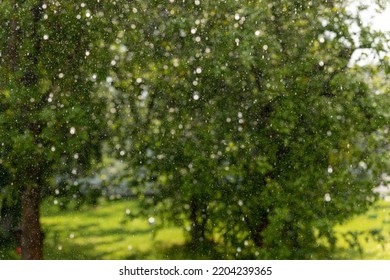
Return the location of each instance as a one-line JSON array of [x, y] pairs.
[[53, 149], [257, 33], [265, 47], [321, 63], [330, 170], [61, 75], [122, 153], [196, 96], [151, 221], [363, 165], [59, 247], [71, 235], [45, 37], [72, 130], [327, 197]]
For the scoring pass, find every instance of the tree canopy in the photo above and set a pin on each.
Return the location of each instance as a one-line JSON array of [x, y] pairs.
[[246, 120]]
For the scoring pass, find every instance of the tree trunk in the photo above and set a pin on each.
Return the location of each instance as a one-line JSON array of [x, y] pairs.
[[198, 219], [31, 228]]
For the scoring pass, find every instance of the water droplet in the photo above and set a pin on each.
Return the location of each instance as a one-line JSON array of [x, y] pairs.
[[61, 75], [53, 149], [71, 235], [45, 37], [265, 47], [151, 221], [72, 130], [327, 197], [257, 33], [363, 165], [196, 96], [330, 170]]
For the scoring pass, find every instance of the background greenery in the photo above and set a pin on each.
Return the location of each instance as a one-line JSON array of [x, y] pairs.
[[240, 128]]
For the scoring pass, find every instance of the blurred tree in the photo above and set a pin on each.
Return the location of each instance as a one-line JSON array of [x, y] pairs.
[[248, 119], [52, 57]]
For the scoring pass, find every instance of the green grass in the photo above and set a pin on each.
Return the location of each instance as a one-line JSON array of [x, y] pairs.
[[371, 229], [107, 232]]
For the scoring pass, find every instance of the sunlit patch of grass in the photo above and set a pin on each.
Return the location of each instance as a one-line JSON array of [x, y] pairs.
[[104, 232], [366, 236]]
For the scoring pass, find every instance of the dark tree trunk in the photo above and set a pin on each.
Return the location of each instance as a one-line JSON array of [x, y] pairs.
[[31, 228], [198, 219]]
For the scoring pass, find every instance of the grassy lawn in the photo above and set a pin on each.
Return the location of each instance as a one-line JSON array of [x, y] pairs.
[[371, 229], [107, 232]]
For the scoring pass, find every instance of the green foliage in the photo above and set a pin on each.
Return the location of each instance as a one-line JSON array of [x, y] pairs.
[[244, 120], [53, 57], [252, 126]]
